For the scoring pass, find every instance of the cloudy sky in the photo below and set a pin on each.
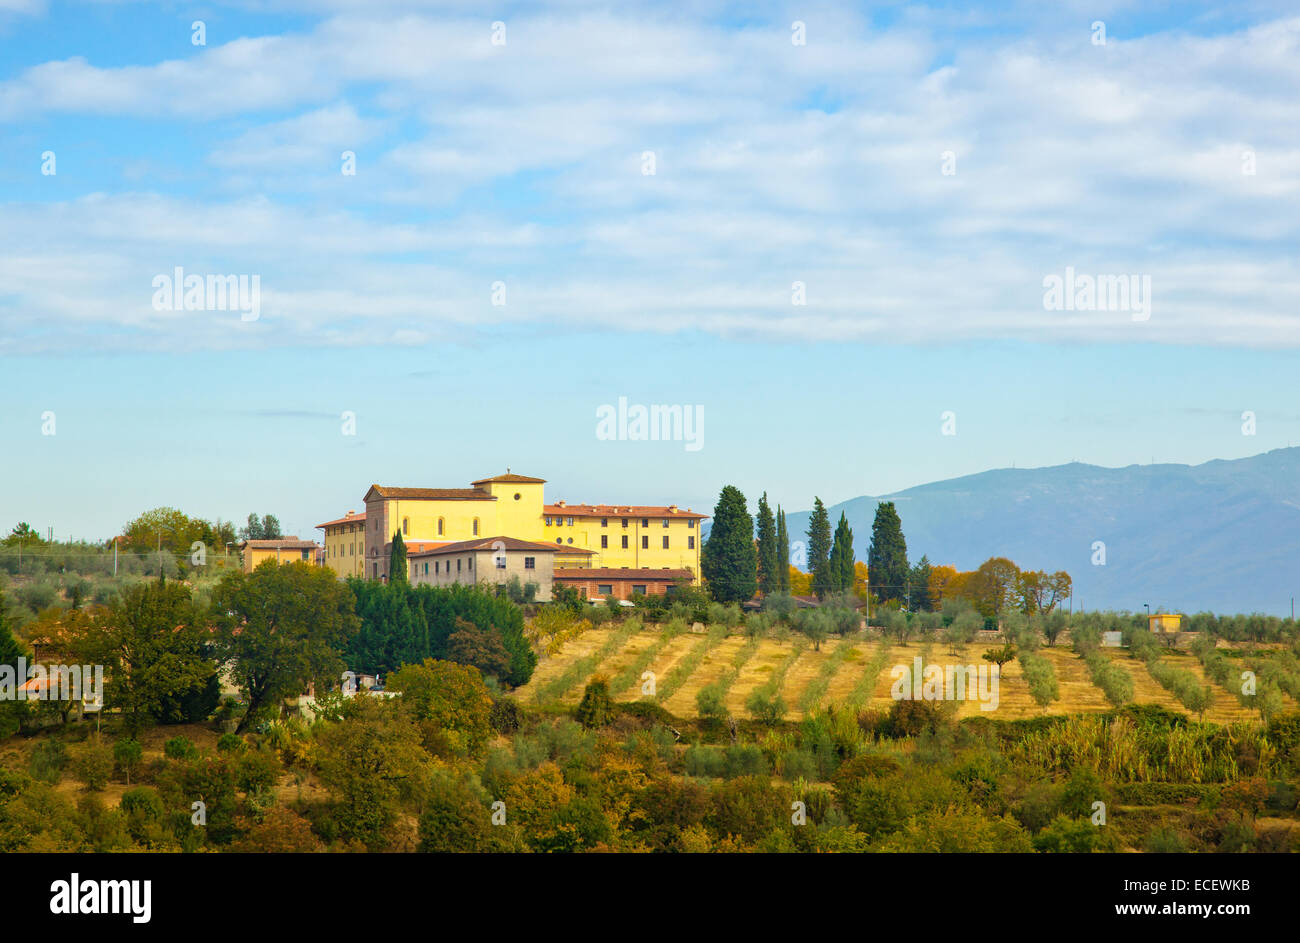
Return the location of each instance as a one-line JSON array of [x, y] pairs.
[[826, 226]]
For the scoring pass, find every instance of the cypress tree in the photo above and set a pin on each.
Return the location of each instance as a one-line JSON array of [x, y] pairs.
[[819, 549], [887, 570], [729, 560], [768, 558], [397, 560], [842, 559], [920, 598], [782, 553]]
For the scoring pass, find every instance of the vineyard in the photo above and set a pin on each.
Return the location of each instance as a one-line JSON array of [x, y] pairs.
[[740, 675]]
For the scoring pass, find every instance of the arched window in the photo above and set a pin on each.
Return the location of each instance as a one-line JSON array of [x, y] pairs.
[[476, 527], [440, 526], [406, 527]]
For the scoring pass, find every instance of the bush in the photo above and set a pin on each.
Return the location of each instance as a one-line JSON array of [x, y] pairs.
[[596, 708], [231, 743], [180, 748], [710, 703], [127, 754], [95, 765], [764, 707], [48, 761]]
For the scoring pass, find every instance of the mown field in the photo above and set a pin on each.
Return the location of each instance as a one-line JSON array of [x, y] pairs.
[[854, 671]]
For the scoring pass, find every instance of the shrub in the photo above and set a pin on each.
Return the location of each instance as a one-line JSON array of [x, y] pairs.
[[95, 765], [710, 703], [48, 761], [765, 707], [231, 743], [127, 754], [180, 748], [596, 708]]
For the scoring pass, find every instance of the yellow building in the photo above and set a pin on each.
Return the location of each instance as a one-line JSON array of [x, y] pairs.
[[1164, 622], [584, 535], [345, 544], [281, 550]]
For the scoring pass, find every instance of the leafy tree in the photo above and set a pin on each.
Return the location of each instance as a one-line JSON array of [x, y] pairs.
[[482, 648], [283, 627], [842, 568], [769, 574], [887, 556], [12, 712], [271, 527], [991, 586], [729, 560], [128, 755], [1000, 656], [782, 553], [253, 529], [397, 570], [152, 643], [449, 701], [819, 550]]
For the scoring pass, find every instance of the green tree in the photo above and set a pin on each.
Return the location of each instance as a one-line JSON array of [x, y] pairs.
[[782, 553], [449, 701], [842, 559], [283, 627], [152, 642], [596, 708], [920, 599], [819, 549], [253, 529], [887, 569], [768, 555], [397, 572], [128, 755], [729, 561], [271, 527], [12, 711]]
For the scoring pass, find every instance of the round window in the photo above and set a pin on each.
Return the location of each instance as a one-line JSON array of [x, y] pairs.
[[516, 495]]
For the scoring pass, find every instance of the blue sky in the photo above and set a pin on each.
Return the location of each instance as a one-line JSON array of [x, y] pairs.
[[1170, 152]]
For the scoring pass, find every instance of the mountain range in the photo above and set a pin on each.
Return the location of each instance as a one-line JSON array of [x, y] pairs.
[[1223, 536]]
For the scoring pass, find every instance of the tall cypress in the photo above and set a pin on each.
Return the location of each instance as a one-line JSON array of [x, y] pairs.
[[842, 559], [397, 560], [729, 560], [819, 549], [920, 599], [768, 578], [782, 553], [887, 570]]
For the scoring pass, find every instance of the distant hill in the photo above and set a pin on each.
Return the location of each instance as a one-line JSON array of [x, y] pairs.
[[1223, 536]]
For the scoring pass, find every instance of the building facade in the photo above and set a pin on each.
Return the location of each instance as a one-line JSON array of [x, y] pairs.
[[641, 537], [345, 544], [619, 582], [492, 560], [281, 550]]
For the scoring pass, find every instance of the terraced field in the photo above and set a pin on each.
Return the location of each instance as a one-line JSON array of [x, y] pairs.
[[853, 671]]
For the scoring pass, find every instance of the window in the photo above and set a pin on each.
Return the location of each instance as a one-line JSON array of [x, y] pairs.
[[548, 520], [516, 495], [625, 541], [500, 560], [406, 527], [469, 563], [605, 589], [645, 522], [569, 522], [665, 541], [560, 540], [604, 522], [458, 564], [415, 570], [604, 541], [625, 522], [530, 563], [426, 568], [645, 543], [665, 522], [441, 525], [306, 554], [690, 522], [570, 540], [638, 589], [437, 567], [476, 527], [690, 543]]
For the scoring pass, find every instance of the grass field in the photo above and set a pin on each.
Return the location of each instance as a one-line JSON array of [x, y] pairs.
[[855, 671]]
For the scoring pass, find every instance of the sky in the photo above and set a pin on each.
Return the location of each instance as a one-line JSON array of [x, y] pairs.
[[826, 232]]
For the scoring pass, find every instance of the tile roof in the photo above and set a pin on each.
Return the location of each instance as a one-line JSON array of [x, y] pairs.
[[348, 519], [490, 543], [511, 479], [435, 494], [282, 543], [621, 510]]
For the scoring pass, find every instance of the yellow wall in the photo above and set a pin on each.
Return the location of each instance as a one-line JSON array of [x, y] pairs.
[[253, 557], [520, 518], [345, 548], [586, 532]]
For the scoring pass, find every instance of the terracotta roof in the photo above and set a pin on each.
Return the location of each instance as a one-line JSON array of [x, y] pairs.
[[421, 546], [512, 479], [621, 510], [349, 519], [616, 573], [489, 543], [283, 543], [435, 494]]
